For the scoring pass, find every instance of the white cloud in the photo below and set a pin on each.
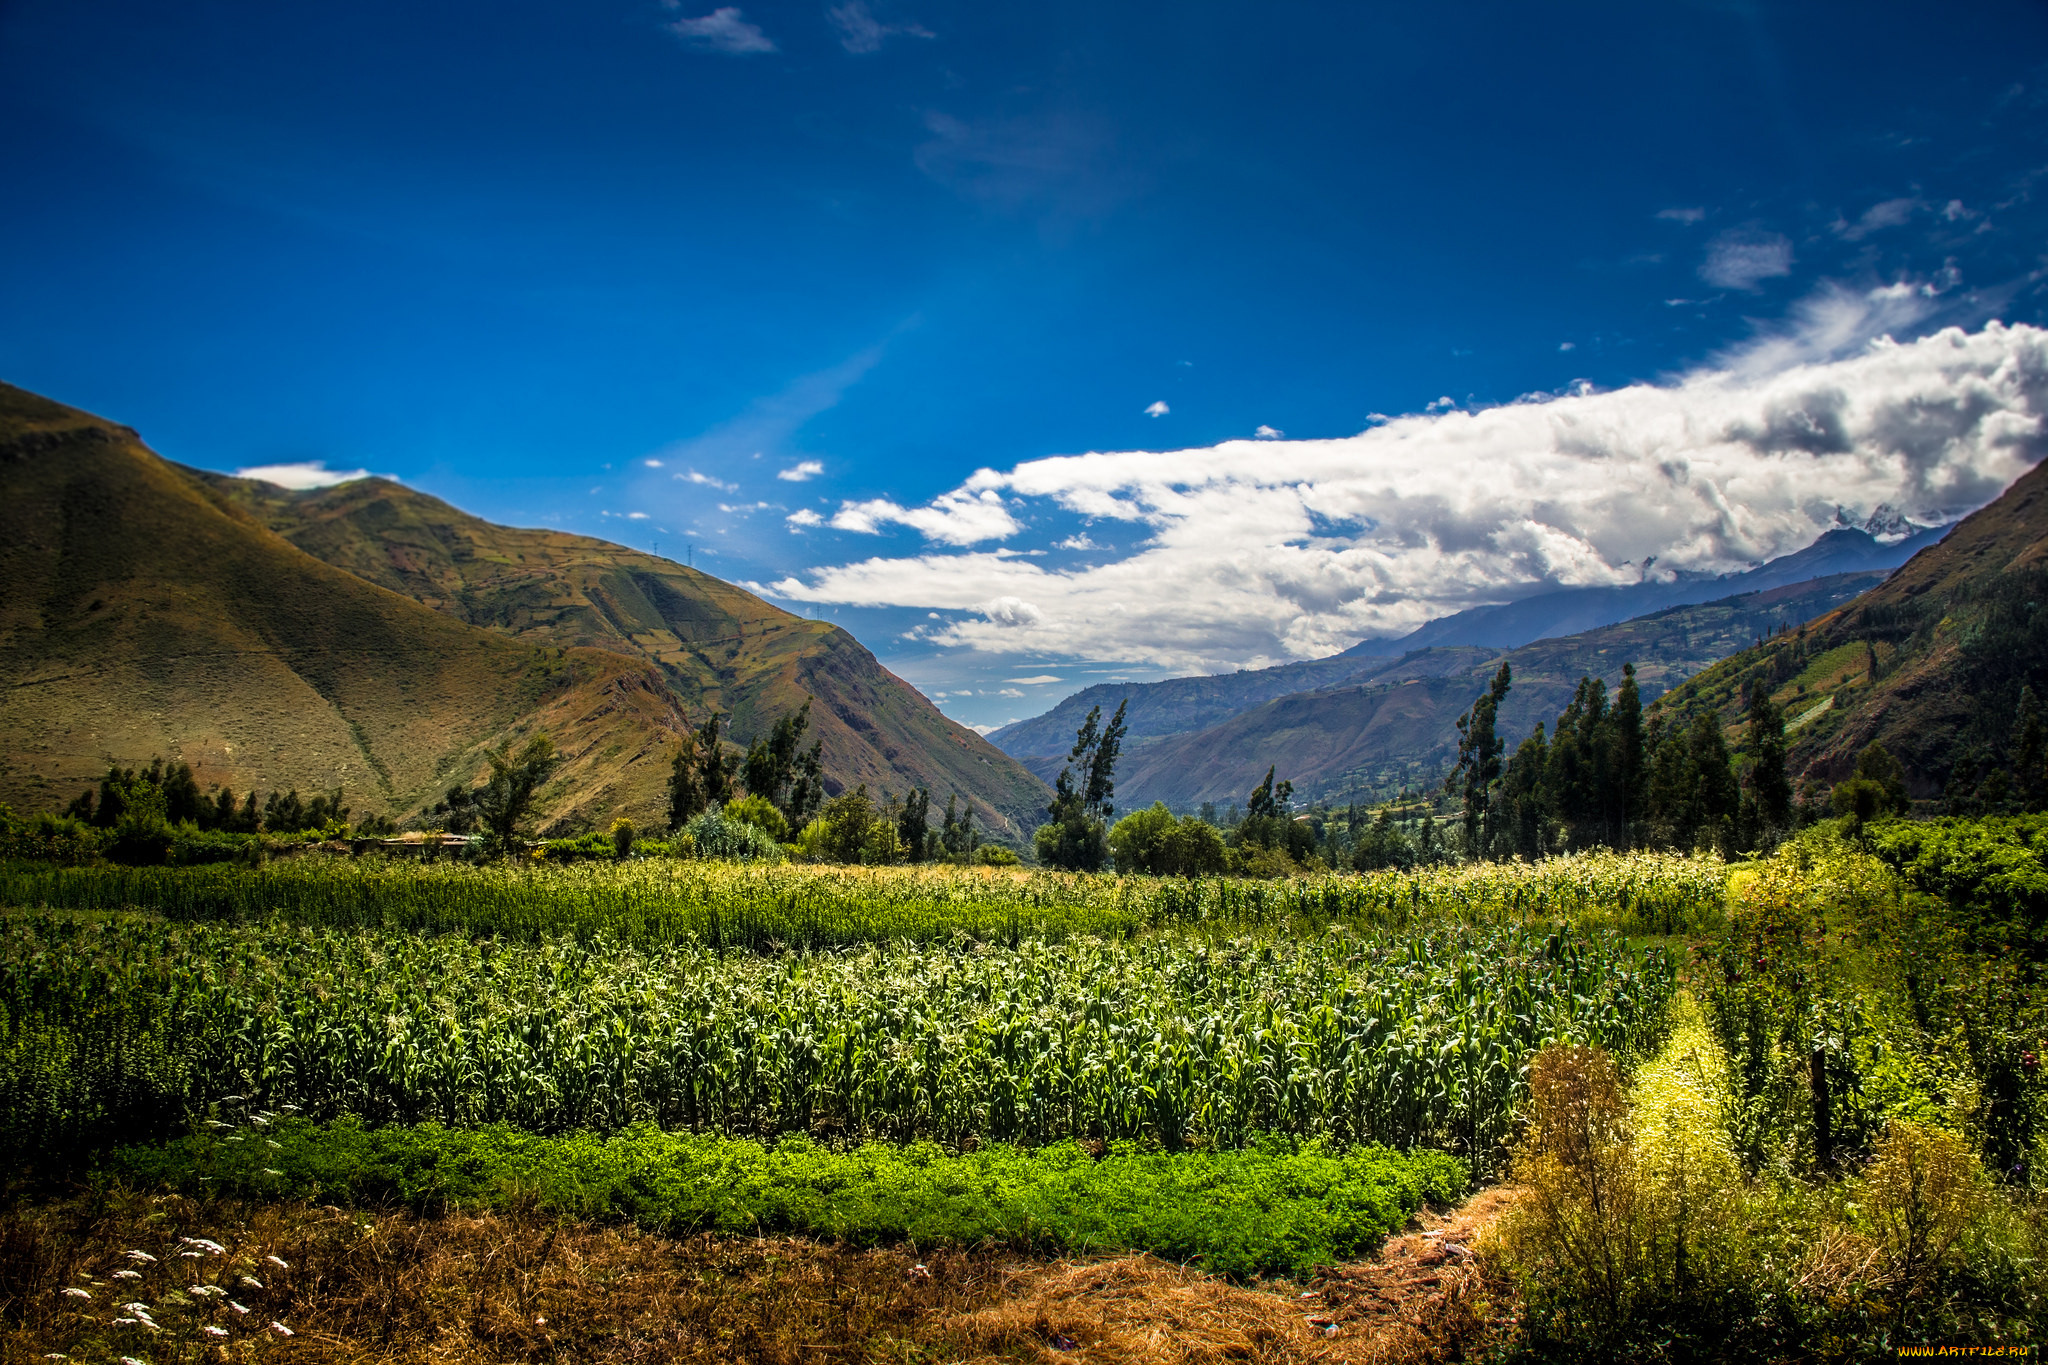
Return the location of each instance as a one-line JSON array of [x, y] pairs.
[[722, 30], [636, 516], [652, 464], [1266, 433], [1686, 216], [1891, 213], [1567, 345], [802, 471], [705, 479], [804, 516], [860, 32], [1079, 541], [1038, 680], [964, 516], [1255, 552], [984, 730], [1009, 692], [1158, 409], [302, 475], [1741, 257]]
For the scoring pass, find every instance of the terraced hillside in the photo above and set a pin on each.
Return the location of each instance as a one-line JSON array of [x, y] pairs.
[[1931, 664]]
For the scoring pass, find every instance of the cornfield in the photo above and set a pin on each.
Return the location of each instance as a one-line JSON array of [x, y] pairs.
[[127, 1029], [661, 901]]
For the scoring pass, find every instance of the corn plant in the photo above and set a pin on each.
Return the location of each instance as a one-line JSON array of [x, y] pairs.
[[127, 1028]]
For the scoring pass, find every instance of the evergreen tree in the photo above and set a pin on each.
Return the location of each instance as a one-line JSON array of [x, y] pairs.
[[1769, 787], [1479, 759], [700, 776], [1627, 780], [781, 770], [1076, 836], [958, 835], [2030, 753], [913, 826], [685, 784], [1519, 819]]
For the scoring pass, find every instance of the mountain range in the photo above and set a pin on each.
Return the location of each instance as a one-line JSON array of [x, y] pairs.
[[374, 638], [1382, 714]]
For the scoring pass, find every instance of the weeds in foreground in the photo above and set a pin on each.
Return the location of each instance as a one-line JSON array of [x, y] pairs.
[[1637, 1235]]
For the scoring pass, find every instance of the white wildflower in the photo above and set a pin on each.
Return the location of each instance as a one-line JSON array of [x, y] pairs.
[[127, 1274], [281, 1329], [236, 1306], [272, 1170], [213, 1331], [77, 1294], [251, 1282], [138, 1256], [278, 1262]]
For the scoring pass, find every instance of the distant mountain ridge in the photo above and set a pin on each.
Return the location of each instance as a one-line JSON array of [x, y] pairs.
[[372, 637], [1368, 737], [1185, 705], [1571, 610]]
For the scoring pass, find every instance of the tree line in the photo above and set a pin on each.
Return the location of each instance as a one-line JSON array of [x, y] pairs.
[[778, 788]]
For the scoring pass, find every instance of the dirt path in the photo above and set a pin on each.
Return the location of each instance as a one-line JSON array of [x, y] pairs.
[[1420, 1299]]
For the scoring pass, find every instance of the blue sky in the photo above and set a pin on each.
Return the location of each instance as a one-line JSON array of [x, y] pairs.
[[512, 253]]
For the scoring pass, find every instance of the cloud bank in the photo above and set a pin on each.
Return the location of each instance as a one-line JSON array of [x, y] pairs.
[[1253, 552]]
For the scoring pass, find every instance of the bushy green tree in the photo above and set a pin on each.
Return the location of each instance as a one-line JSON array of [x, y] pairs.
[[851, 829], [1877, 790], [1382, 844], [957, 836], [1153, 841], [505, 800]]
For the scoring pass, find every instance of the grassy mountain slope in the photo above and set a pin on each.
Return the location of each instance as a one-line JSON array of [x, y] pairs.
[[1953, 635], [717, 647], [139, 619], [151, 611], [1399, 728]]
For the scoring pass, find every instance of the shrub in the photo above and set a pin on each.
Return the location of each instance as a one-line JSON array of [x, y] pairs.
[[712, 835], [622, 838], [1923, 1191], [760, 812]]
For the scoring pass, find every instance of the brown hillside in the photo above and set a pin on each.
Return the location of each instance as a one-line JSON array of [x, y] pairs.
[[717, 646], [141, 619], [1949, 659]]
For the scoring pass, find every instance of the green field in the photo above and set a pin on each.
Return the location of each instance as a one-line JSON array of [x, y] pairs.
[[1260, 1076]]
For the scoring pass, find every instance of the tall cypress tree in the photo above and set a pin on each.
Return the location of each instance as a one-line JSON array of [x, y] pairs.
[[1479, 755], [1769, 787], [1627, 785]]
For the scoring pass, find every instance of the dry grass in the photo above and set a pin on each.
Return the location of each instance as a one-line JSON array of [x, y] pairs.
[[1425, 1298], [358, 1286]]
